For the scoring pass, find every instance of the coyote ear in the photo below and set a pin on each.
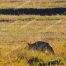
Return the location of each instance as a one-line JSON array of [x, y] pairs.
[[28, 43]]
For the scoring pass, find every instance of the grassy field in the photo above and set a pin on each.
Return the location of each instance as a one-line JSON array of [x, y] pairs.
[[24, 29], [17, 31], [33, 4]]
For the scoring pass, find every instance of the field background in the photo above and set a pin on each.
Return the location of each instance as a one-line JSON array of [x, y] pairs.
[[23, 29], [32, 3]]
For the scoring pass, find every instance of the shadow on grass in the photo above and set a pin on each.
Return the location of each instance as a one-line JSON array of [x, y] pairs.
[[33, 11]]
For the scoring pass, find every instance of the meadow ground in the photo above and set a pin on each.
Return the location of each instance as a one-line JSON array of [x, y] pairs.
[[17, 31], [21, 30], [32, 4]]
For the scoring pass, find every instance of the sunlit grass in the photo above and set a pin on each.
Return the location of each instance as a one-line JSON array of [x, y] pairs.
[[28, 29], [32, 4]]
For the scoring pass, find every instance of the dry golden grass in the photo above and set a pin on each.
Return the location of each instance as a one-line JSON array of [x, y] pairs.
[[24, 29], [28, 29], [32, 4]]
